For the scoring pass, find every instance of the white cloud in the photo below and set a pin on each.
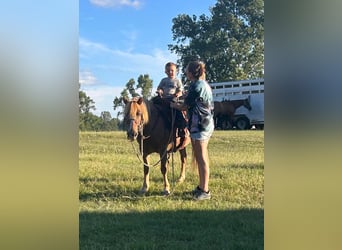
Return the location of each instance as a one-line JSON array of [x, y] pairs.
[[87, 78], [116, 3], [127, 62], [103, 97], [88, 45], [105, 71]]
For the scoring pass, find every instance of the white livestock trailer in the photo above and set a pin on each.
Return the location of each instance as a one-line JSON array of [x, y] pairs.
[[234, 90]]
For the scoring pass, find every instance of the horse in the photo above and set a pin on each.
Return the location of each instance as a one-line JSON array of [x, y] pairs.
[[227, 108], [151, 125]]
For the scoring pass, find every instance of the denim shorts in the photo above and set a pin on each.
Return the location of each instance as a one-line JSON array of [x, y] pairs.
[[203, 135]]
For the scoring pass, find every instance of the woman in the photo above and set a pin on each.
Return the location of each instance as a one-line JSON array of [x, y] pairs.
[[198, 103]]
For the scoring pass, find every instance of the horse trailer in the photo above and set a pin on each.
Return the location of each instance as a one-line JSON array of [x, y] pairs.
[[234, 90]]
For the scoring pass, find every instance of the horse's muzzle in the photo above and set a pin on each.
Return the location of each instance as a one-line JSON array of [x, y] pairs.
[[131, 135]]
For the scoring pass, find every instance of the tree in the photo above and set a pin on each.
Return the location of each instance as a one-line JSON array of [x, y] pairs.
[[106, 116], [132, 89], [145, 84], [86, 118], [230, 41], [85, 103], [108, 124], [90, 122]]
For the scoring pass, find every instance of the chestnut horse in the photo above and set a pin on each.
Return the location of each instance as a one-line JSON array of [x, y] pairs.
[[228, 108], [152, 126]]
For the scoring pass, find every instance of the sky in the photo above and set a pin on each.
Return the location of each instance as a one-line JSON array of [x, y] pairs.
[[122, 39]]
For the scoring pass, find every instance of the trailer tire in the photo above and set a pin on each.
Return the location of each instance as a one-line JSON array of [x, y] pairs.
[[242, 123], [260, 126]]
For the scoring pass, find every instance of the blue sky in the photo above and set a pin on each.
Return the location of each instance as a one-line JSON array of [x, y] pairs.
[[122, 39]]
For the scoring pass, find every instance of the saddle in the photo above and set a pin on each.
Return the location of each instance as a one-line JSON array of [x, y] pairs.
[[181, 135]]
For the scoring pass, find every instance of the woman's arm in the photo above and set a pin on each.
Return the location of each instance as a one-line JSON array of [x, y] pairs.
[[179, 106]]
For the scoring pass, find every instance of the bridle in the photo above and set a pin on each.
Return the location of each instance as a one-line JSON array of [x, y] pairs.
[[140, 126], [134, 123]]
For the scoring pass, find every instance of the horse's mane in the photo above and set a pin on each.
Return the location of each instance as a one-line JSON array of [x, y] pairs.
[[144, 110], [161, 109], [150, 111]]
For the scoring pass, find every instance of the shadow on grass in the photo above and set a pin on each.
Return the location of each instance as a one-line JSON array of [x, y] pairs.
[[182, 229], [133, 194], [247, 166], [103, 188]]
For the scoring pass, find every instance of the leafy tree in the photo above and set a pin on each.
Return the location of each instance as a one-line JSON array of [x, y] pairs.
[[107, 123], [145, 84], [90, 122], [115, 124], [85, 103], [106, 116], [230, 41], [132, 89], [86, 118]]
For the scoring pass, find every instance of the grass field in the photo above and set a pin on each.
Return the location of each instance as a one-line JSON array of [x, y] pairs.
[[114, 216]]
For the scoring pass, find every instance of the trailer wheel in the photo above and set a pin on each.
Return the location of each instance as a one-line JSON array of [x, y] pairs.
[[260, 126], [242, 123]]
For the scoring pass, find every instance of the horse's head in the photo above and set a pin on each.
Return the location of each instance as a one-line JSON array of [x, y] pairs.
[[247, 104], [136, 116]]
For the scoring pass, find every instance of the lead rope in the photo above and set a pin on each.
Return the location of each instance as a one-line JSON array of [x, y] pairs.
[[173, 118], [141, 153], [171, 138], [142, 141]]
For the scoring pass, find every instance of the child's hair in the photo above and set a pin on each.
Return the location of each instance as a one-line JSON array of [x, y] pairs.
[[197, 69], [169, 64]]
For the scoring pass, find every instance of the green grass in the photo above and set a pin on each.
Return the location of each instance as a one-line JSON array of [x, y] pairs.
[[114, 216]]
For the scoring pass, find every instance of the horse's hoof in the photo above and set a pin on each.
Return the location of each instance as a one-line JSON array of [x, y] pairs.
[[166, 193], [143, 191], [181, 179]]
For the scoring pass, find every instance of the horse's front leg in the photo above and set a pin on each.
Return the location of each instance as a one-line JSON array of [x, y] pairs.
[[163, 168], [183, 158], [146, 183]]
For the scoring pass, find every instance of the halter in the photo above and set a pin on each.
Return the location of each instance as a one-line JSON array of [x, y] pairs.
[[133, 121], [140, 126]]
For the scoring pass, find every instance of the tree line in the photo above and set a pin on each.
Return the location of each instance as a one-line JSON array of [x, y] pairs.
[[230, 41], [90, 122]]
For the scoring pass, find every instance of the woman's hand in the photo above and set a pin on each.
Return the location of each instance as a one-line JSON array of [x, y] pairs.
[[178, 106]]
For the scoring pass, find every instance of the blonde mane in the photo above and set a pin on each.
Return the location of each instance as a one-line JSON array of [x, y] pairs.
[[135, 105]]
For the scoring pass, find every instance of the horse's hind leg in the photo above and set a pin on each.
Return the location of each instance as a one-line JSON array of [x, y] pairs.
[[183, 158], [163, 168], [146, 183]]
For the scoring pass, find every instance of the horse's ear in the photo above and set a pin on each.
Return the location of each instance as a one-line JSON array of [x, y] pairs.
[[125, 100], [140, 100]]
